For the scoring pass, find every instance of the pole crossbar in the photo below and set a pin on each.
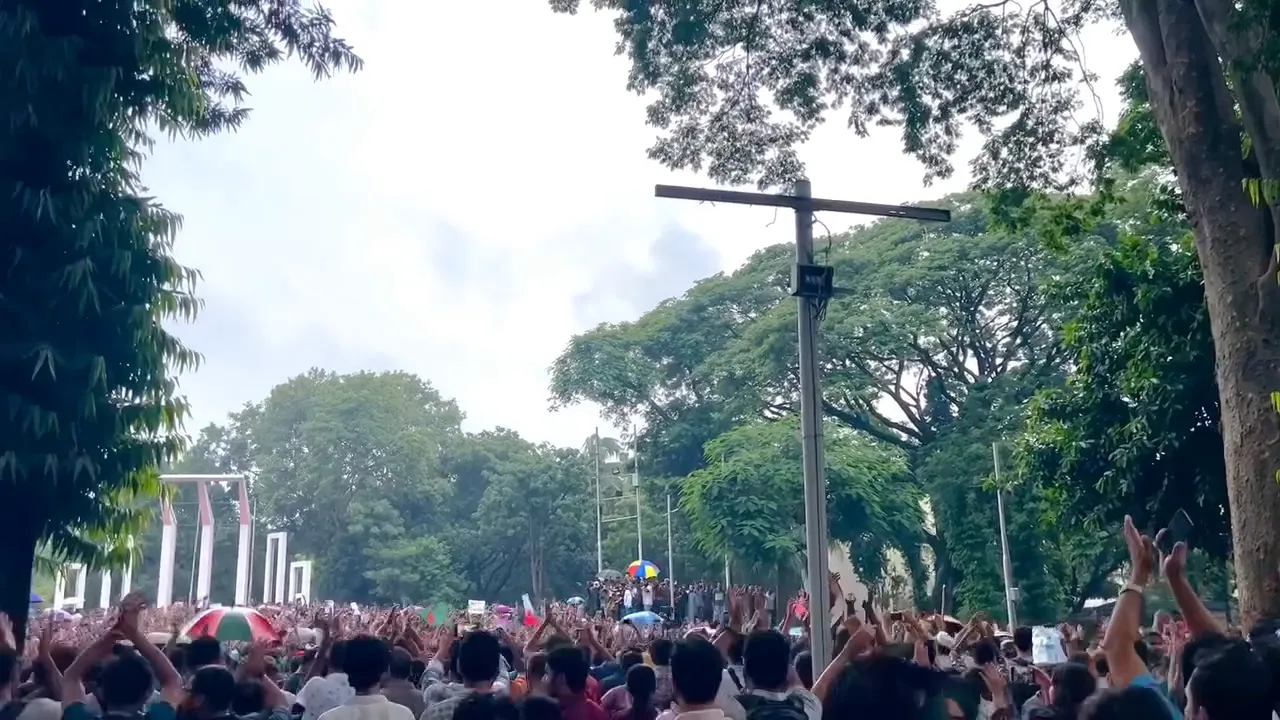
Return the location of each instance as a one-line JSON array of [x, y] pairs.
[[817, 540], [795, 202]]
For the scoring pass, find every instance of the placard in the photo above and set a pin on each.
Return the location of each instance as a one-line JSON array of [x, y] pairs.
[[475, 607]]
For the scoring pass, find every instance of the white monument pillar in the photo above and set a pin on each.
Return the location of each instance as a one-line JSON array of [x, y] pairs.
[[168, 538], [104, 592], [246, 539], [76, 599], [300, 580], [168, 544], [276, 563], [126, 582], [204, 577]]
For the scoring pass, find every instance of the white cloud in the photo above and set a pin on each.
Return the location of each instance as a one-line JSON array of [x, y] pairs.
[[460, 208]]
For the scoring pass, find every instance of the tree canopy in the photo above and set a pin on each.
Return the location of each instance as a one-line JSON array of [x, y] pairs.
[[736, 87], [376, 482], [930, 356], [86, 364]]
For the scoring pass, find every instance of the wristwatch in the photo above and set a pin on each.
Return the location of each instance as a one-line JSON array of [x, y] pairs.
[[1133, 587]]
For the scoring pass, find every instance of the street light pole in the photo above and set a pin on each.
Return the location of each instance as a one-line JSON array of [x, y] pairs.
[[1006, 564], [599, 510], [635, 483], [812, 288], [671, 566]]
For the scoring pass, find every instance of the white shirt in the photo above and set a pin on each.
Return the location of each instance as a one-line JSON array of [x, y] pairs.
[[322, 694], [41, 709], [369, 707], [647, 594], [711, 714]]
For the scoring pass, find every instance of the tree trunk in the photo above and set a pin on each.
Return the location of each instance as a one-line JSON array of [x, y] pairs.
[[1235, 243], [17, 555]]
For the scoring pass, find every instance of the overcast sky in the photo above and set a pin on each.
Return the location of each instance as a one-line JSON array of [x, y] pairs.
[[462, 207]]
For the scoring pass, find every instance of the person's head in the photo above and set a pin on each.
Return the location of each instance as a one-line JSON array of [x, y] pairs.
[[1072, 685], [125, 683], [477, 658], [1127, 703], [660, 651], [337, 655], [634, 657], [1022, 639], [766, 657], [984, 652], [213, 688], [641, 684], [1008, 649], [696, 670], [566, 672], [486, 706], [879, 686], [365, 661], [536, 671], [1230, 682], [539, 707], [804, 668], [203, 651], [249, 698], [401, 664]]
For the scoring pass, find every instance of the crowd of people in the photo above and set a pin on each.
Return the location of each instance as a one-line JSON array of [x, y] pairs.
[[620, 596], [390, 664]]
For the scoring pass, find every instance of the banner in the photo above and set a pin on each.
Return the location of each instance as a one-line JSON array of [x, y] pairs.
[[475, 607], [1046, 646]]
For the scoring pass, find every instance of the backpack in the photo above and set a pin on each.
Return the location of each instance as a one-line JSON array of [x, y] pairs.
[[760, 708]]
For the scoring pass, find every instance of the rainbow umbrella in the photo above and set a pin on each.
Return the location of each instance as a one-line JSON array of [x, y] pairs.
[[232, 624], [642, 569]]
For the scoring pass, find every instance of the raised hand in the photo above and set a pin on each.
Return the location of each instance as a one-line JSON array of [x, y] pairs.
[[1142, 553], [7, 640]]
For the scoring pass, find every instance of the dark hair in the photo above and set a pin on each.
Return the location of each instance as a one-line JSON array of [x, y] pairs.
[[632, 657], [696, 670], [1127, 703], [641, 684], [539, 707], [248, 698], [985, 651], [1197, 648], [337, 655], [203, 651], [477, 657], [366, 659], [765, 658], [485, 706], [1073, 684], [804, 668], [736, 643], [400, 665], [416, 668], [660, 651], [216, 685], [1022, 638], [1232, 683], [878, 686], [126, 681], [537, 666], [569, 663]]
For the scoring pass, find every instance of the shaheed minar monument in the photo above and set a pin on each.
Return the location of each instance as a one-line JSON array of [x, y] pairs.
[[276, 567]]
